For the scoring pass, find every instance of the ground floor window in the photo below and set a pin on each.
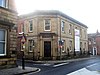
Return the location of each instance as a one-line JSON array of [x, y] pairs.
[[2, 42], [31, 45]]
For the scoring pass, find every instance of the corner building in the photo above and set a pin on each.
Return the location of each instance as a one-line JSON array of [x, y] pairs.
[[8, 36], [45, 29]]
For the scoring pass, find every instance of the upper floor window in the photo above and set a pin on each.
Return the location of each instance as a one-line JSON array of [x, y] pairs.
[[62, 26], [85, 34], [3, 3], [70, 29], [2, 42], [30, 26], [47, 25], [22, 26], [81, 32]]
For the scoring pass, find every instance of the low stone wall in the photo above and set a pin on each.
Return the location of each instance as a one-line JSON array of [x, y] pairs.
[[7, 63]]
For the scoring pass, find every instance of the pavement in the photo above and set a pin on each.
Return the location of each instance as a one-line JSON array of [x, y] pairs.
[[84, 71], [18, 70]]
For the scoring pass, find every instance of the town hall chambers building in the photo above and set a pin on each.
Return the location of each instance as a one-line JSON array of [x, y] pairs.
[[51, 34]]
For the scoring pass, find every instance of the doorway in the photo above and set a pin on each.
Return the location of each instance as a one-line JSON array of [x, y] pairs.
[[47, 48]]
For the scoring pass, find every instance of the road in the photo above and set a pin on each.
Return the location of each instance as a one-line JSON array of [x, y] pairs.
[[64, 69]]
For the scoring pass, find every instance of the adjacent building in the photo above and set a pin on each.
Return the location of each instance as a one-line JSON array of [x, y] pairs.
[[51, 34], [94, 43], [8, 17]]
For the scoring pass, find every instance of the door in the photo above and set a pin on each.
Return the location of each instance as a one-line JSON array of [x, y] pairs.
[[47, 48]]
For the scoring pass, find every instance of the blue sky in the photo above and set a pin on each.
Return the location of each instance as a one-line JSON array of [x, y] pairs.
[[85, 11]]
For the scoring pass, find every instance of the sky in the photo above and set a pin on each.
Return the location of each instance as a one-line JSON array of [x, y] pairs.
[[85, 11]]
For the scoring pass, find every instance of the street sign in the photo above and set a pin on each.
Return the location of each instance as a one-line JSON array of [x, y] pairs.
[[23, 40]]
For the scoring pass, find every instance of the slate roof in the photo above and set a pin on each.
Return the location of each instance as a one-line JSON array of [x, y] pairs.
[[54, 12]]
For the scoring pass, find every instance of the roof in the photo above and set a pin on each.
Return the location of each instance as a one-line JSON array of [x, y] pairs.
[[93, 35], [54, 12]]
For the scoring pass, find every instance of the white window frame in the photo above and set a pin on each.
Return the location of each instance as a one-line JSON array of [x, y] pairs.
[[32, 44], [30, 26], [4, 42], [70, 44], [45, 25], [70, 29], [3, 3], [62, 25]]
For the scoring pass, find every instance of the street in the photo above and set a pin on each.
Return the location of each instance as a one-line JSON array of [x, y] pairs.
[[66, 68]]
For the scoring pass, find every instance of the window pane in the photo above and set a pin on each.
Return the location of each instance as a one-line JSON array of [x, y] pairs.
[[2, 35], [62, 25], [47, 27], [2, 3], [31, 25], [2, 48], [30, 45], [47, 24]]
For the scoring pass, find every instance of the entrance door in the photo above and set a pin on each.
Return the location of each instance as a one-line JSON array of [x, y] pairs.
[[47, 48]]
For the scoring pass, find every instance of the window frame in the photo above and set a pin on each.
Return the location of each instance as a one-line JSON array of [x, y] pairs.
[[62, 26], [30, 45], [5, 42], [30, 25], [70, 29], [3, 4], [47, 25], [70, 44]]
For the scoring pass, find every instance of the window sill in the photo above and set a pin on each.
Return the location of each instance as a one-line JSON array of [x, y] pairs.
[[30, 51], [30, 31]]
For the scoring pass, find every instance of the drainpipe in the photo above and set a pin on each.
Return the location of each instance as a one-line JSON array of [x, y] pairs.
[[60, 42]]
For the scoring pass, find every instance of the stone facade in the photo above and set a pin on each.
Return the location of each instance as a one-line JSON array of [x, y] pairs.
[[45, 43], [8, 35]]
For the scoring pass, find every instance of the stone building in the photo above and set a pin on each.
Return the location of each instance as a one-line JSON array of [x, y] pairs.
[[52, 34], [8, 17]]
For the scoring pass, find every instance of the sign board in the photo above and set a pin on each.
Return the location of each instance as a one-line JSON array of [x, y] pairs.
[[23, 40], [77, 40]]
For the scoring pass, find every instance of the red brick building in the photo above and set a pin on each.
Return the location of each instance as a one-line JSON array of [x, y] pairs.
[[94, 43]]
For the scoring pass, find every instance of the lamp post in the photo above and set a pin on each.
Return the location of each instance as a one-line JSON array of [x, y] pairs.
[[23, 40]]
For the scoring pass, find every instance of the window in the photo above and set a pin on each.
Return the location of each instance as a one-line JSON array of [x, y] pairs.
[[70, 29], [81, 46], [47, 25], [81, 32], [62, 26], [2, 42], [23, 27], [2, 3], [30, 26], [31, 45], [85, 34], [85, 45], [63, 46], [70, 45]]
